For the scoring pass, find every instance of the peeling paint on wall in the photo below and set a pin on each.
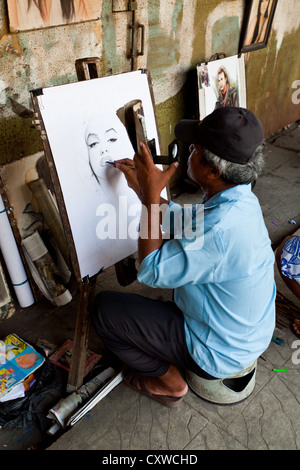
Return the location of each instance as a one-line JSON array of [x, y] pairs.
[[225, 36], [229, 9], [170, 46], [178, 35], [286, 21], [9, 43], [45, 60]]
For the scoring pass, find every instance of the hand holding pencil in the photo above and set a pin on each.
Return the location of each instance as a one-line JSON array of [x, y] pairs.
[[143, 176], [127, 167], [125, 161]]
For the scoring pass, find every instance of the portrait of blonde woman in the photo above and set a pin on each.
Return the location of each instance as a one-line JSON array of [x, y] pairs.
[[34, 14]]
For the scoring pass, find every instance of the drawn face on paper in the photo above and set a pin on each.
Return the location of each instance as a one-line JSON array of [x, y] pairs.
[[102, 147], [105, 143]]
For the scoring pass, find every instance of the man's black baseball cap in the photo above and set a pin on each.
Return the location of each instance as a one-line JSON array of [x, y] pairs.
[[230, 133]]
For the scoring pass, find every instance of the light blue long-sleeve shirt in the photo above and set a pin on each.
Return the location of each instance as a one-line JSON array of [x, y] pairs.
[[224, 285]]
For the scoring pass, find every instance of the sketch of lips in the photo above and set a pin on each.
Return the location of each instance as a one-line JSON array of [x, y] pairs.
[[104, 160]]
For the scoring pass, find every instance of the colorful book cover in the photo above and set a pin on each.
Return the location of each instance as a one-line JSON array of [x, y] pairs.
[[17, 361]]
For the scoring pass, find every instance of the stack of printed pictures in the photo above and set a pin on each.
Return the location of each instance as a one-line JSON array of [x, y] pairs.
[[221, 83]]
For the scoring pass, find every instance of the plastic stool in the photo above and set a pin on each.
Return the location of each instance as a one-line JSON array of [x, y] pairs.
[[226, 391]]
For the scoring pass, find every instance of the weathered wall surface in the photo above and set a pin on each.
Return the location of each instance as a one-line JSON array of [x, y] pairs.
[[178, 35]]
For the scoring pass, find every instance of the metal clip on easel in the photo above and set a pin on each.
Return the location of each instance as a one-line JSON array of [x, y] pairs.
[[173, 154]]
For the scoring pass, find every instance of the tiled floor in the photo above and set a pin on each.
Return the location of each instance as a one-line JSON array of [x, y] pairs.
[[124, 420]]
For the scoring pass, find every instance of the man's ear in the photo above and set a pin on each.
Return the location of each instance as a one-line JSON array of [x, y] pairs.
[[215, 173]]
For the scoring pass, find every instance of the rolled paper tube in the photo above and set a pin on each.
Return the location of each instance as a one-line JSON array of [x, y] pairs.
[[4, 291], [13, 261], [50, 213], [45, 268]]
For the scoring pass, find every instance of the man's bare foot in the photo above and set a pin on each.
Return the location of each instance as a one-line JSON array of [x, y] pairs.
[[168, 389], [170, 384]]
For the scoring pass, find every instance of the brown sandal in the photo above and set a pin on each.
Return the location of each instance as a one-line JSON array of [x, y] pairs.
[[137, 382]]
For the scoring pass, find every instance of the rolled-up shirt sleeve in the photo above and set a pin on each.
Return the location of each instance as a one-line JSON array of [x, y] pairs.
[[181, 260]]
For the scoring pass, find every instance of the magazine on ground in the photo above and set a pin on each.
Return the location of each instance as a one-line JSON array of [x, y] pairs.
[[18, 360], [62, 357]]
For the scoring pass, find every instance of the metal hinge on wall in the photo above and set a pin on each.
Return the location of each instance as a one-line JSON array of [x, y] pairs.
[[137, 31]]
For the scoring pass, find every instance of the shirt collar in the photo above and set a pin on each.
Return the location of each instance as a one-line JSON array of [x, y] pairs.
[[230, 194]]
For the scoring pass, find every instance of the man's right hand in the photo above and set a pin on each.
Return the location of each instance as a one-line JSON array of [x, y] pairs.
[[126, 165]]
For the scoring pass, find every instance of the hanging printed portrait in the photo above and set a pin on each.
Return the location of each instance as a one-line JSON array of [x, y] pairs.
[[221, 83], [257, 24], [35, 14]]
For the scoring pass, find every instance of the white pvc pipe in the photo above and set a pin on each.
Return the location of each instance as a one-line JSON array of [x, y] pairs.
[[13, 261]]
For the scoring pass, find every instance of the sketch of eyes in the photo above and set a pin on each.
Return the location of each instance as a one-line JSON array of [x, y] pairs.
[[109, 137], [93, 144]]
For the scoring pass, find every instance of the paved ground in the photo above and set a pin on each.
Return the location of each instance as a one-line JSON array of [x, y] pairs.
[[124, 420]]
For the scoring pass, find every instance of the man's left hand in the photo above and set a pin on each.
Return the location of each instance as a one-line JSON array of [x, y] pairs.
[[151, 179]]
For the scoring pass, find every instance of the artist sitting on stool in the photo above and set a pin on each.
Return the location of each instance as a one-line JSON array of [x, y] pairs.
[[223, 315]]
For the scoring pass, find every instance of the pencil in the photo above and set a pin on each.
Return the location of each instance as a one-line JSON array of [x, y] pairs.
[[129, 166]]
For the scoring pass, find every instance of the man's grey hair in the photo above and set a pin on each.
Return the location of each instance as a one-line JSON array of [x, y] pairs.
[[235, 173]]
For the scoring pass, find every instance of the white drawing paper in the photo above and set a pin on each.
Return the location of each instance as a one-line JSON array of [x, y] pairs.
[[84, 132]]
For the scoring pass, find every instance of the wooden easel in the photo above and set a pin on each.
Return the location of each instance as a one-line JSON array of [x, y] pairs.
[[86, 69]]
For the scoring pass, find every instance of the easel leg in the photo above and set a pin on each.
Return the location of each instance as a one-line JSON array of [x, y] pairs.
[[76, 373], [86, 69]]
